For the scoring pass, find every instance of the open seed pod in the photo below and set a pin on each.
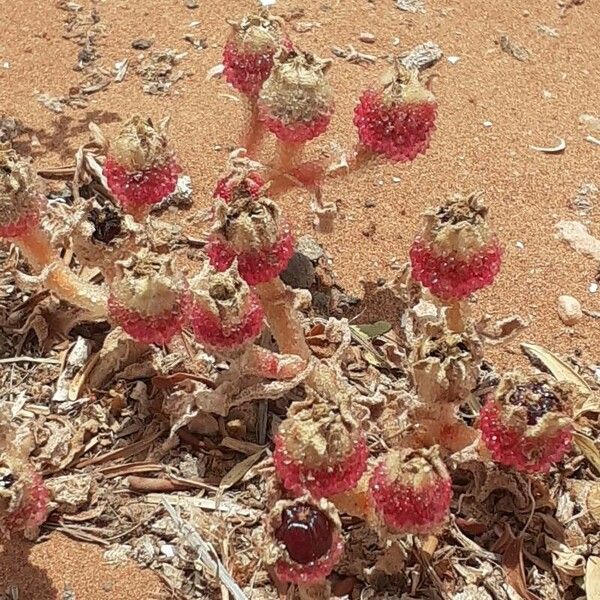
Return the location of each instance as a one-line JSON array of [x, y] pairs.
[[527, 422], [304, 539]]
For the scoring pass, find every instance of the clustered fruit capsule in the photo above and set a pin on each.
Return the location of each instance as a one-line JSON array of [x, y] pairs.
[[248, 54], [321, 446], [224, 313], [19, 196], [296, 101], [412, 490], [526, 423], [146, 298], [305, 539], [397, 120], [140, 168], [249, 229], [457, 253]]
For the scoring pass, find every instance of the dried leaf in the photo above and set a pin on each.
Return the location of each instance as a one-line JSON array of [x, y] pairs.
[[373, 330], [588, 448], [592, 578], [558, 368], [513, 48], [239, 470], [512, 563]]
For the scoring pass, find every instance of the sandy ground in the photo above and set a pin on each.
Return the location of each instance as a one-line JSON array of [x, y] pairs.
[[492, 108]]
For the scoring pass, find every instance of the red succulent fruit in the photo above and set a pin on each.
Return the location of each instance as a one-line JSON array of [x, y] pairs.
[[321, 447], [248, 54], [145, 298], [296, 102], [411, 490], [306, 540], [23, 495], [249, 229], [225, 314], [239, 183], [456, 254], [19, 197], [397, 120], [527, 423], [140, 169]]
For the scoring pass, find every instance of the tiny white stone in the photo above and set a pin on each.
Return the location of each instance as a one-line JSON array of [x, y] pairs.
[[520, 245], [593, 288], [396, 179], [268, 2], [167, 550], [453, 59], [487, 123], [569, 310], [6, 65], [380, 182], [547, 95]]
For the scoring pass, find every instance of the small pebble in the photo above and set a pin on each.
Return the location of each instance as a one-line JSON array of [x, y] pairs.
[[569, 310], [370, 204], [487, 123], [453, 59], [167, 550], [520, 245], [142, 44], [593, 288], [367, 38], [191, 4]]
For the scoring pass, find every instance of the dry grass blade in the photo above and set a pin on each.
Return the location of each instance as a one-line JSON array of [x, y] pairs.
[[206, 552], [555, 365], [588, 448], [238, 471]]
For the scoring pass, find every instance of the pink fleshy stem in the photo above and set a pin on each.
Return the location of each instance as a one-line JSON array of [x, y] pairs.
[[312, 174], [282, 318], [260, 362], [60, 280], [254, 131]]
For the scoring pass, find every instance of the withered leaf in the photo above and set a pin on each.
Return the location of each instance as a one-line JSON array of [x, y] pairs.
[[588, 448], [239, 470], [557, 367], [373, 330]]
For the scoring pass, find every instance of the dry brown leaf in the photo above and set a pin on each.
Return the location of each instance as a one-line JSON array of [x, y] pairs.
[[512, 563], [559, 369], [239, 470], [592, 578], [588, 448]]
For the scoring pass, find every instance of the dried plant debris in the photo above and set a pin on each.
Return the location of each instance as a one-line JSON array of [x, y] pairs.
[[351, 54], [10, 128], [411, 6], [159, 71], [515, 49], [586, 196], [423, 56]]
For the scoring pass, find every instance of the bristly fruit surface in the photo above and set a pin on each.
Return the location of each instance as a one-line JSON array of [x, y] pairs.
[[397, 121], [225, 314], [248, 229], [296, 101], [456, 254], [19, 196], [412, 491], [239, 184], [140, 168], [145, 298], [527, 423], [321, 446], [306, 540], [248, 54]]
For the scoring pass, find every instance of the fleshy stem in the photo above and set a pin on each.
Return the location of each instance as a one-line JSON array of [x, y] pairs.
[[312, 174], [283, 318], [36, 247], [456, 315], [254, 132]]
